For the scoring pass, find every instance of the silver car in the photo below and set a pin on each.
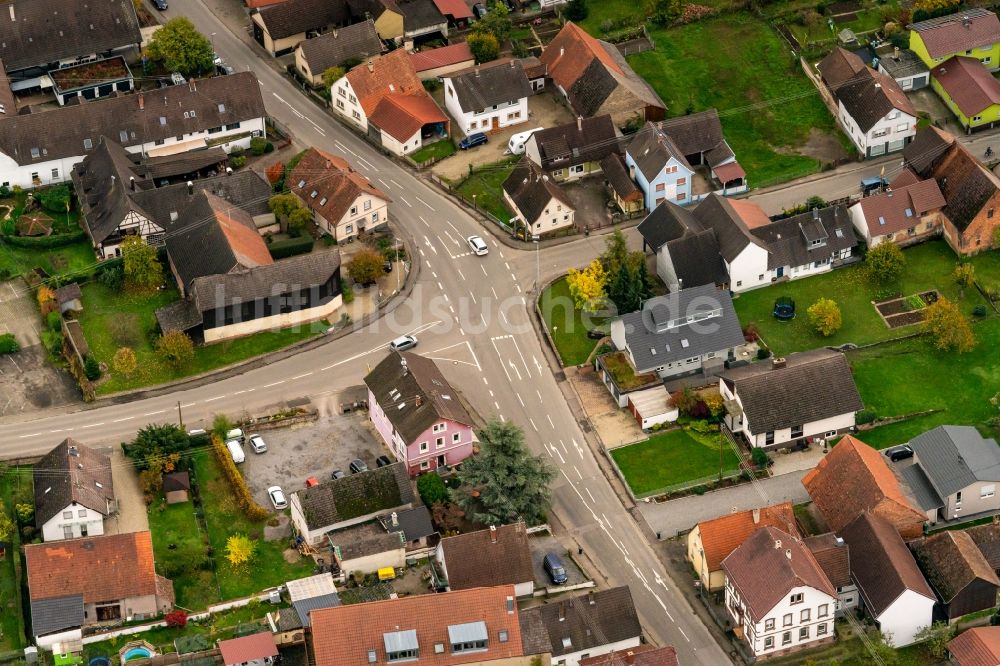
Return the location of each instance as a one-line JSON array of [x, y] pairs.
[[403, 342], [257, 444], [277, 497]]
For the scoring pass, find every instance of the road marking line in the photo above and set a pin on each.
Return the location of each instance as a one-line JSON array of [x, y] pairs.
[[592, 497], [495, 295], [190, 404], [520, 399], [384, 184], [395, 183], [93, 425], [485, 382], [278, 382], [507, 266], [304, 374], [154, 413], [406, 202], [34, 434], [367, 164], [531, 421], [497, 405], [502, 419], [578, 472], [340, 145], [484, 270], [682, 633], [550, 422], [564, 446], [440, 287], [421, 217], [243, 391], [563, 461], [518, 286], [425, 203], [462, 276], [434, 275]]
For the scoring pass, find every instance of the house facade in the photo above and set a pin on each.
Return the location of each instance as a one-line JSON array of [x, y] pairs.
[[418, 414], [74, 492], [538, 202], [752, 392], [488, 97], [834, 557], [904, 215], [659, 168], [972, 32], [777, 596], [485, 558], [574, 150]]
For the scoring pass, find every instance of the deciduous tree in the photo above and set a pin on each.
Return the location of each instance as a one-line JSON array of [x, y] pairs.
[[824, 316], [143, 271], [496, 22], [282, 205], [240, 550], [181, 48], [587, 287], [154, 441], [124, 361], [965, 274], [628, 278], [367, 266], [884, 263], [484, 46], [331, 75], [935, 638], [504, 483], [448, 517], [175, 348], [6, 526], [949, 328]]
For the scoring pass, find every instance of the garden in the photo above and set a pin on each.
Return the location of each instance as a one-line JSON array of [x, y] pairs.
[[40, 229], [675, 459], [483, 188], [433, 152], [15, 488], [565, 323], [929, 267]]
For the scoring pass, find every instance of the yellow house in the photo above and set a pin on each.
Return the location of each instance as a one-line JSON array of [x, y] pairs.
[[972, 32], [712, 541], [969, 90]]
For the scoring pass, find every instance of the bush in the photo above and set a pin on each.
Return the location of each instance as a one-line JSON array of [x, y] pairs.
[[237, 161], [54, 321], [763, 353], [759, 457], [258, 145], [432, 489], [9, 344], [244, 499], [865, 416], [53, 341], [112, 277], [44, 242], [177, 618], [91, 368], [347, 293], [55, 199], [979, 311], [290, 247]]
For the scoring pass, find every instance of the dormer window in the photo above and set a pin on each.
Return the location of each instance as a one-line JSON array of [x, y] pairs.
[[401, 646], [468, 637]]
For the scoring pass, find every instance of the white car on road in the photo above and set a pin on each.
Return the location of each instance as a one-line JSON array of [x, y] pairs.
[[403, 342], [478, 245], [277, 497]]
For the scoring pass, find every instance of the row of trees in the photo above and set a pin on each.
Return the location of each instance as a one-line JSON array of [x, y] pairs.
[[618, 278]]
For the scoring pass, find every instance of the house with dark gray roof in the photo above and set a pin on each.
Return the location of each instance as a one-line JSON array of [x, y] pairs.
[[413, 524], [488, 97], [333, 48], [576, 149], [539, 203], [592, 624], [354, 499], [806, 397], [904, 66], [659, 167], [74, 492], [688, 332], [955, 473], [43, 146], [39, 36], [419, 414], [367, 548], [279, 28]]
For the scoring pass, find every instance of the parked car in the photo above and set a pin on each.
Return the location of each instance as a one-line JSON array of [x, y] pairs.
[[257, 444], [358, 465], [479, 10], [387, 266], [160, 4], [869, 185], [553, 566], [478, 245], [403, 342], [382, 461], [223, 69], [277, 497], [897, 453], [236, 434], [337, 474], [236, 451], [473, 140]]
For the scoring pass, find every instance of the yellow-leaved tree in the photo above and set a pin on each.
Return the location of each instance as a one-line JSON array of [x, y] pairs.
[[950, 329], [587, 287], [240, 550]]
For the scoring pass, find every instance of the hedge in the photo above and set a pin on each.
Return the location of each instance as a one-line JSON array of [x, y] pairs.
[[8, 344], [289, 247], [244, 499], [42, 242]]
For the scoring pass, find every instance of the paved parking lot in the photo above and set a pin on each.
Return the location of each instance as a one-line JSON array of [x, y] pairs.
[[543, 543], [310, 449]]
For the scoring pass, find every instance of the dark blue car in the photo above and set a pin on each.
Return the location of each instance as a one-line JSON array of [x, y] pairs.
[[473, 140]]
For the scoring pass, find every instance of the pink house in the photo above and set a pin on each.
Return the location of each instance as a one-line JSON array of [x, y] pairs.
[[418, 413]]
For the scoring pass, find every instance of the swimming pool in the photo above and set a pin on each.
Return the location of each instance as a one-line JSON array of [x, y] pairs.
[[137, 653]]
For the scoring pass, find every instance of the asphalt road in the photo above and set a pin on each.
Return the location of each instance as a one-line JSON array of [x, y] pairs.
[[470, 313]]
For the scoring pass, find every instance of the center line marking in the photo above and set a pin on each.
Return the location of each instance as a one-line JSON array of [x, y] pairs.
[[154, 413], [533, 424], [304, 374], [550, 421], [425, 203], [93, 425], [406, 202], [127, 418], [274, 383]]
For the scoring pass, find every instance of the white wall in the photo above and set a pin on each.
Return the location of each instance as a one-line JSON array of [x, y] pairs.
[[749, 269], [556, 215], [819, 428], [274, 322], [395, 558], [344, 102], [52, 530], [893, 123], [574, 658], [390, 143], [68, 636], [361, 219], [478, 120], [758, 633], [861, 225], [905, 617]]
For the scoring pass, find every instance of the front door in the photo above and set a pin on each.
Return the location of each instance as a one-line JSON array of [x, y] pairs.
[[442, 460], [781, 271]]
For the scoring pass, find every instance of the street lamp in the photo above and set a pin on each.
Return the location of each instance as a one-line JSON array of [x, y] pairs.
[[474, 202], [535, 238]]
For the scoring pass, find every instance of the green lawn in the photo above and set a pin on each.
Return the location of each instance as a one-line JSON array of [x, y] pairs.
[[671, 458], [566, 324], [867, 20], [484, 189], [113, 319], [911, 376], [928, 266], [71, 258], [988, 269], [224, 518], [15, 487], [437, 151], [180, 547], [749, 65]]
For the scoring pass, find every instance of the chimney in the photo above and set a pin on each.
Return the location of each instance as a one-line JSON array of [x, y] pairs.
[[840, 541], [371, 66], [190, 187], [493, 533], [579, 123], [192, 86], [229, 171], [335, 34], [419, 400], [778, 362], [815, 213], [756, 516], [131, 183], [402, 362], [777, 544], [142, 102], [895, 53], [966, 21], [590, 598], [395, 519], [788, 553], [477, 72]]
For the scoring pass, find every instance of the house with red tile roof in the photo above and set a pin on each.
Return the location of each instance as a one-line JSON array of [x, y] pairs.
[[853, 478], [78, 583], [777, 595], [901, 215], [641, 655], [969, 90], [432, 63], [385, 98], [595, 79], [979, 646], [711, 541], [476, 626], [343, 202], [253, 650]]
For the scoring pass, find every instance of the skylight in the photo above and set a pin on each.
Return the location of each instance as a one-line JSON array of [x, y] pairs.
[[909, 213], [881, 220], [684, 343]]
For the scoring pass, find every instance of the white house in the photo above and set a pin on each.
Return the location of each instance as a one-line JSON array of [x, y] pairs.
[[74, 492], [893, 591], [494, 556], [537, 200], [489, 96], [351, 500], [42, 148], [777, 595], [659, 168], [589, 625], [871, 107], [784, 402]]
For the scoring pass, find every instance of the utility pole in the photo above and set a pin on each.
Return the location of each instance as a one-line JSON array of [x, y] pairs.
[[538, 286], [180, 417]]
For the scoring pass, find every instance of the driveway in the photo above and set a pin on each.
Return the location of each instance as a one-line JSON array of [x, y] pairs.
[[132, 516], [543, 111], [680, 515], [310, 450]]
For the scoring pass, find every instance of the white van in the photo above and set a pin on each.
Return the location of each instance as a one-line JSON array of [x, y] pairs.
[[236, 434], [516, 144], [236, 451]]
